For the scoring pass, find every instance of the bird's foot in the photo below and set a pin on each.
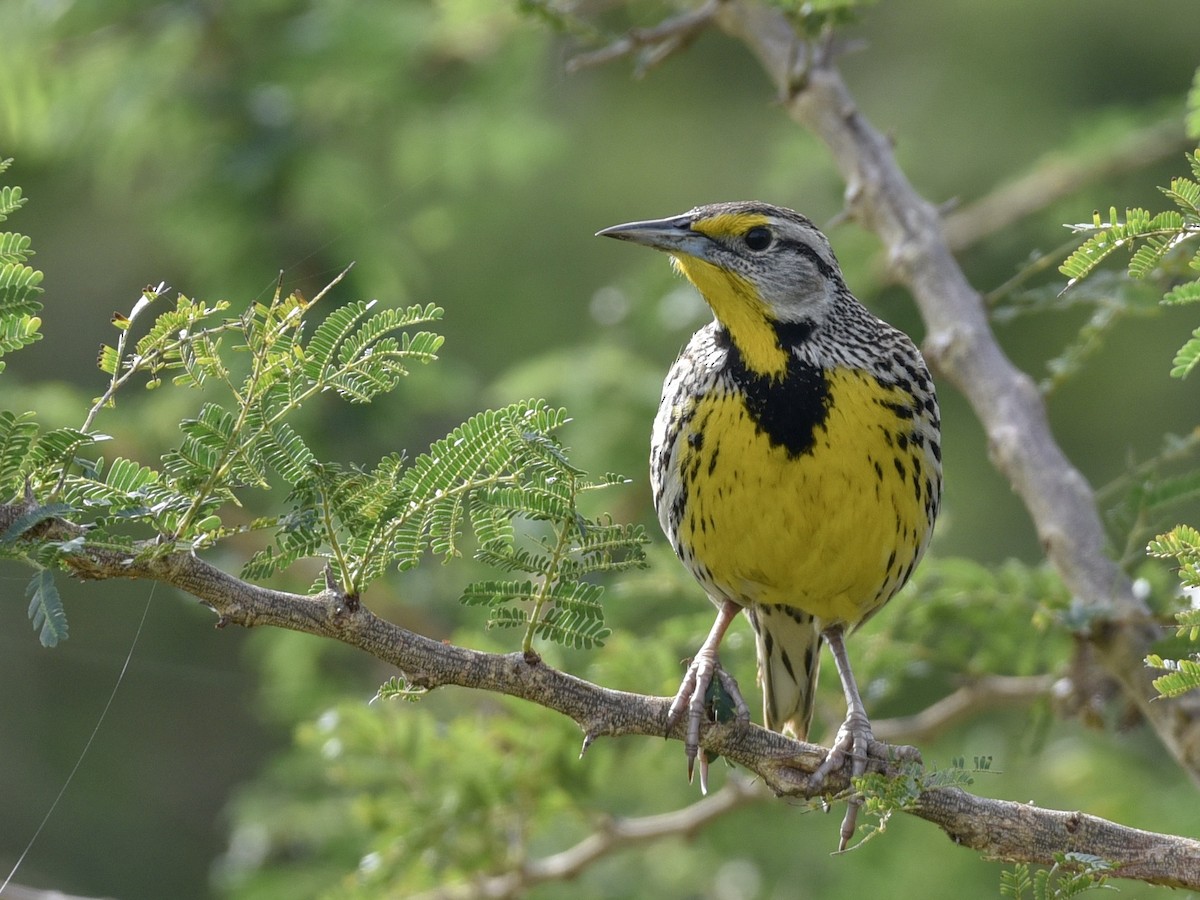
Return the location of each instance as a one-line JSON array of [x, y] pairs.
[[708, 691], [854, 742]]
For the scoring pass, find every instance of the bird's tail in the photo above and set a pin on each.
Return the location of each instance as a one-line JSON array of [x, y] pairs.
[[789, 657]]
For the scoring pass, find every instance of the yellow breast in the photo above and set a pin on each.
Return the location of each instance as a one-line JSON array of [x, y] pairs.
[[833, 529]]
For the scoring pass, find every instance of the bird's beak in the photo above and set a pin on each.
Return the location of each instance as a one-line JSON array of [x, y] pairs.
[[673, 235]]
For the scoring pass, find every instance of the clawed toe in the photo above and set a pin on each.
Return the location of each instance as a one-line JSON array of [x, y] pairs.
[[854, 742], [706, 691], [693, 693]]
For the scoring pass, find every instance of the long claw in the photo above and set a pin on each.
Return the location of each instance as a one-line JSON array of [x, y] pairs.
[[853, 738], [849, 822], [692, 698], [692, 695]]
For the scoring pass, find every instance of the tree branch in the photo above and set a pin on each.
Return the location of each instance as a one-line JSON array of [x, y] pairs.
[[656, 43], [997, 828], [1019, 831], [961, 346]]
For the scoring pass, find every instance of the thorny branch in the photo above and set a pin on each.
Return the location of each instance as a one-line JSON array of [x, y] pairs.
[[998, 828]]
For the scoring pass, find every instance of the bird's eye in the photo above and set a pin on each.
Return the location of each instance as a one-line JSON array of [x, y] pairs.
[[758, 238]]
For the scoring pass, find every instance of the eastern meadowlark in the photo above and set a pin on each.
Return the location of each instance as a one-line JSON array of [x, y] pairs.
[[795, 459]]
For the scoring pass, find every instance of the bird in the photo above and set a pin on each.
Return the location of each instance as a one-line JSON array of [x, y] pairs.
[[795, 462]]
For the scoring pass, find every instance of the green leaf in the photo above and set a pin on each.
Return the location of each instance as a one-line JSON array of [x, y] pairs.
[[59, 447], [108, 360], [1189, 624], [17, 433], [360, 357], [1178, 542], [569, 629], [497, 593], [1016, 882], [1189, 292], [1187, 357], [1183, 675], [575, 617], [17, 332], [605, 546], [489, 450], [1182, 544], [1186, 195], [129, 477], [19, 289], [398, 688], [213, 454], [15, 248], [1148, 256], [31, 519], [10, 200], [46, 609], [323, 345], [288, 454]]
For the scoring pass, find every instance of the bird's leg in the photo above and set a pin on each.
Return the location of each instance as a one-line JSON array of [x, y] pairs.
[[853, 738], [693, 692]]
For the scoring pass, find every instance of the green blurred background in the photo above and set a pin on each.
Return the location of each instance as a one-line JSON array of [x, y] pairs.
[[442, 147]]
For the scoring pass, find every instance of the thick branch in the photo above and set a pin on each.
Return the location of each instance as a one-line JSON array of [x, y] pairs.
[[996, 828], [960, 343], [1002, 829]]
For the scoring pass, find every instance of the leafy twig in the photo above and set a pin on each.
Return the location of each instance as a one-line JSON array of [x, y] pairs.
[[655, 44]]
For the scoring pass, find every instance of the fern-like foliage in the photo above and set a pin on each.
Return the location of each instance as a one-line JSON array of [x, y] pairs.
[[19, 282], [884, 795], [398, 688], [1182, 675], [1181, 544], [46, 609], [1071, 875], [503, 476], [1148, 238], [499, 486]]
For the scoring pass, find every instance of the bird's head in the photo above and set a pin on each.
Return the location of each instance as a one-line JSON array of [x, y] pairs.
[[763, 269]]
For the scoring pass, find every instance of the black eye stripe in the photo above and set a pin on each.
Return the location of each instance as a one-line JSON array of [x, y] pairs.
[[804, 249]]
